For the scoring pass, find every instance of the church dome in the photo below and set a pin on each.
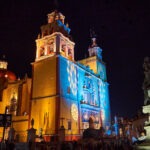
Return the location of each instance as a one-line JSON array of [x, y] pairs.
[[3, 70], [8, 74]]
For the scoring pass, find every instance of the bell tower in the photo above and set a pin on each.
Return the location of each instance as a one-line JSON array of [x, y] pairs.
[[94, 50], [53, 43], [54, 38], [94, 62]]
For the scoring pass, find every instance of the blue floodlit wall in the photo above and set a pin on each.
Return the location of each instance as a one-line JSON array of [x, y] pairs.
[[101, 69], [68, 78], [88, 96], [104, 102], [88, 90]]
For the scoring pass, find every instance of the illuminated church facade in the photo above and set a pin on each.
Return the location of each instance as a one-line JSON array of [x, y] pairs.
[[64, 92]]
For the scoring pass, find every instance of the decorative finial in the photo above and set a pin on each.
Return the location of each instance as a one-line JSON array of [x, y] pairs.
[[32, 122], [93, 37]]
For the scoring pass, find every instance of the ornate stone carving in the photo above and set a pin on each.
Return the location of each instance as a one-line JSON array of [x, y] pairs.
[[55, 24], [146, 83]]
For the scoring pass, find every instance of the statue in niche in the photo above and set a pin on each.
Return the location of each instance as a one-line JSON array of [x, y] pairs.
[[13, 105], [146, 83], [46, 127], [41, 51], [50, 46]]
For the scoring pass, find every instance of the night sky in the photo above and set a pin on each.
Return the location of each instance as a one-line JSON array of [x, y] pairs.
[[123, 32]]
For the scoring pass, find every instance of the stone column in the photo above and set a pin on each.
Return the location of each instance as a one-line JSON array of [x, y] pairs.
[[61, 134]]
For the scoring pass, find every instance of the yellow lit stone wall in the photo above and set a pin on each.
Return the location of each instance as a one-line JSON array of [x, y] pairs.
[[44, 95], [44, 78], [65, 112], [44, 113], [26, 95], [20, 123], [91, 62]]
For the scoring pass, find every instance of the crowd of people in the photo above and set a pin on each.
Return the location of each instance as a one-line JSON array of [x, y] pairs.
[[92, 139]]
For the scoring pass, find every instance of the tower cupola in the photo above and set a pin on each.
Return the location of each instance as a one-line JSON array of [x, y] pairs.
[[3, 63], [94, 49], [55, 24], [55, 15], [55, 38], [4, 72]]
